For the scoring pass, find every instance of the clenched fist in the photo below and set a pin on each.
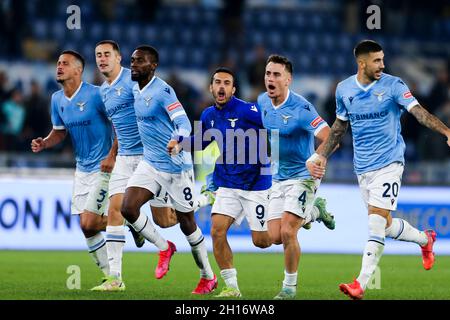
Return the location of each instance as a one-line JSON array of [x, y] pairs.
[[37, 145]]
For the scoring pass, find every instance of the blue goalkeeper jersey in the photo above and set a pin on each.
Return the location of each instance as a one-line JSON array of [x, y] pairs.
[[84, 117], [160, 118], [243, 162], [374, 113], [119, 102], [292, 127]]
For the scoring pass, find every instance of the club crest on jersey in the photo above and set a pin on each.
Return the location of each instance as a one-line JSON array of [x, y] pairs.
[[285, 118], [233, 122], [81, 105], [147, 100], [379, 95], [253, 108], [350, 99], [119, 91], [212, 123]]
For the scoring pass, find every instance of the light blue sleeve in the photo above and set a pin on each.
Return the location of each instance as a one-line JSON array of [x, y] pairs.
[[260, 106], [341, 110], [57, 122], [176, 113], [312, 122], [402, 95]]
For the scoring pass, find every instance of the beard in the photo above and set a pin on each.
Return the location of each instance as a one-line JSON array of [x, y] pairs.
[[371, 76], [138, 77]]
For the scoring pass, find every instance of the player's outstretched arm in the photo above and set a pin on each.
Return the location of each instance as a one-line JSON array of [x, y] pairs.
[[53, 138], [430, 121], [107, 164], [337, 132]]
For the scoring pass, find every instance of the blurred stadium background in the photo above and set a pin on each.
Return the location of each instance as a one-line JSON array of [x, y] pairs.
[[193, 37]]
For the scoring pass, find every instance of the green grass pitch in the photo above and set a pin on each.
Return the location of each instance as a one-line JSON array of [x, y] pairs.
[[43, 275]]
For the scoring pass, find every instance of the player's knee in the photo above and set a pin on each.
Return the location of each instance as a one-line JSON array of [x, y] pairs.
[[262, 242], [128, 210], [187, 223], [276, 240], [286, 234], [218, 232], [89, 227], [163, 222], [275, 237]]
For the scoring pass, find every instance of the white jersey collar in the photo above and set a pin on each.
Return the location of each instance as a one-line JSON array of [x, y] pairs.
[[366, 88], [281, 104], [116, 79], [147, 85], [75, 93]]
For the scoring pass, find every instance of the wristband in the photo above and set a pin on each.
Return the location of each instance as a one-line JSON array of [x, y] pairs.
[[313, 158]]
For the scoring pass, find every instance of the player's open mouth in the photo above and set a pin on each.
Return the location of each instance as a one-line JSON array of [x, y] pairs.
[[103, 66], [271, 87], [221, 94]]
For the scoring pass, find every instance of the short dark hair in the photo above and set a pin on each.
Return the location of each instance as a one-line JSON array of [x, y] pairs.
[[114, 44], [366, 46], [77, 55], [223, 69], [276, 58], [149, 50]]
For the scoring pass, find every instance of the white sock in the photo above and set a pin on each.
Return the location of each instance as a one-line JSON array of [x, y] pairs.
[[290, 280], [115, 240], [197, 242], [401, 230], [230, 278], [97, 250], [314, 213], [144, 226], [373, 250]]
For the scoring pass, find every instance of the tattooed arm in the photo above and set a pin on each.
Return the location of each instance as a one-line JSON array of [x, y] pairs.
[[317, 166], [430, 121], [338, 130]]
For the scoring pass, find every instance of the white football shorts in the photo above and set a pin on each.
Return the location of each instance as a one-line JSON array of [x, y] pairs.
[[90, 192], [178, 186], [122, 172], [380, 188], [295, 196], [238, 204]]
